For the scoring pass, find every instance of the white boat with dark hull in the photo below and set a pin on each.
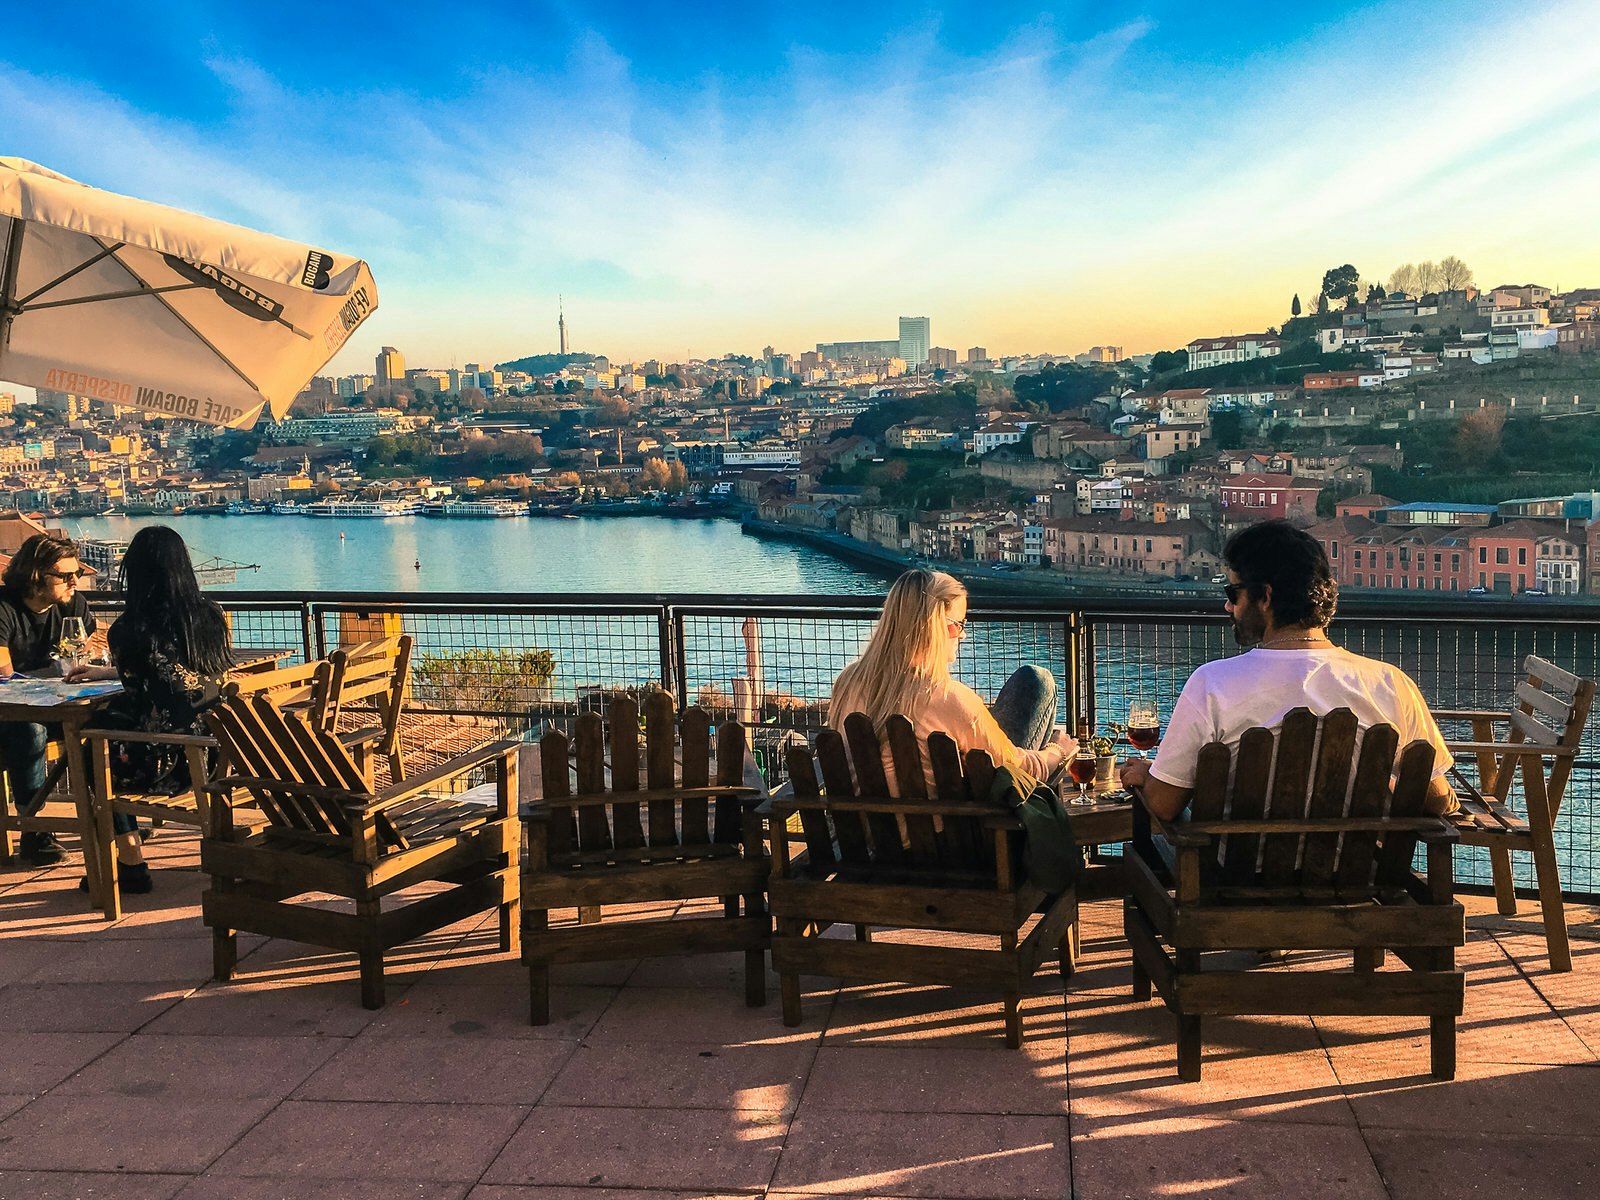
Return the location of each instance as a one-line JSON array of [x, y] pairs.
[[476, 508], [361, 509]]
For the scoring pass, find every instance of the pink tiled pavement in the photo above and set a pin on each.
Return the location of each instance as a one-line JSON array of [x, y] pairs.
[[125, 1072]]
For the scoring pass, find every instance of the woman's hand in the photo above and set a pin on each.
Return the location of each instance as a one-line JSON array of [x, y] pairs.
[[85, 673], [1066, 743]]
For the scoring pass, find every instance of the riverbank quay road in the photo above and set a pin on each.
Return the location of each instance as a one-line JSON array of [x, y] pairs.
[[127, 1071]]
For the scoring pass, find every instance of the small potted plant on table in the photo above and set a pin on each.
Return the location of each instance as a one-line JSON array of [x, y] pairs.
[[1104, 746]]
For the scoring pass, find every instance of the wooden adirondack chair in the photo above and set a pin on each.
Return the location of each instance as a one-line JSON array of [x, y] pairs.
[[1307, 849], [305, 689], [367, 693], [951, 862], [1544, 730], [327, 832], [684, 835]]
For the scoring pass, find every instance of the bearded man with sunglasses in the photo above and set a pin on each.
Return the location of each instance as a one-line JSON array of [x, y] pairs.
[[1281, 596], [38, 592]]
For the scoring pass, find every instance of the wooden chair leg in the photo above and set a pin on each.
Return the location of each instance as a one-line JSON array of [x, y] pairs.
[[588, 914], [7, 844], [511, 926], [1188, 1048], [863, 933], [1442, 1047], [1505, 892], [1069, 951], [1369, 958], [755, 978], [1552, 904], [1013, 1019], [104, 848], [224, 954], [538, 994], [372, 978]]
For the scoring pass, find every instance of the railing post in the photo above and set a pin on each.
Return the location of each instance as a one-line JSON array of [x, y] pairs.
[[311, 635], [668, 631], [1085, 644], [1073, 684]]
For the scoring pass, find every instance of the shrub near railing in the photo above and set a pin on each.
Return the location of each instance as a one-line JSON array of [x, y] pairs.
[[483, 679]]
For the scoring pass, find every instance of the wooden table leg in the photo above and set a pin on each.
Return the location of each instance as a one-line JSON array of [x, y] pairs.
[[88, 829]]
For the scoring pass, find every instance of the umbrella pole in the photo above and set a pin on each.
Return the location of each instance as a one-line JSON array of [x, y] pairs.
[[8, 284]]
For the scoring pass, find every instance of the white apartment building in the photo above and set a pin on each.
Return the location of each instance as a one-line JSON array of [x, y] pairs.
[[916, 339], [996, 434], [1213, 352]]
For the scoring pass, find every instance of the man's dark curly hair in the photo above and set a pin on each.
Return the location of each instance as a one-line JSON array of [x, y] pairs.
[[24, 574], [1293, 564]]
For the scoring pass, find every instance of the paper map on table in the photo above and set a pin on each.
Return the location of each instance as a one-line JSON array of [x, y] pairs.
[[24, 690]]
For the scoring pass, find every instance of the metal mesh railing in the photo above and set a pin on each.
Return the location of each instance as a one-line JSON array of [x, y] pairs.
[[771, 661]]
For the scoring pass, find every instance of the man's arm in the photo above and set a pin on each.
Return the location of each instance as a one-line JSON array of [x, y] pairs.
[[1164, 801], [1441, 798]]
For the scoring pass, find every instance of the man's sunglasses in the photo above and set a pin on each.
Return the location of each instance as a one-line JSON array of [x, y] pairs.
[[1234, 590], [66, 576]]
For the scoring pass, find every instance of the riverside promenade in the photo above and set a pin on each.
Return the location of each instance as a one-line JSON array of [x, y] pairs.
[[128, 1074]]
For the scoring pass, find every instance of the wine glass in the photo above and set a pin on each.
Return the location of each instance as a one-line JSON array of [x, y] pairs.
[[1081, 767], [74, 639], [1144, 725]]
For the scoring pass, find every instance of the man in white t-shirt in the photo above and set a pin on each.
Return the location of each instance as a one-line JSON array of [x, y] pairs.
[[1281, 596]]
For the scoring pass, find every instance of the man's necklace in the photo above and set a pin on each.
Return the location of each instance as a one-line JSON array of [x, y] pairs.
[[1284, 643]]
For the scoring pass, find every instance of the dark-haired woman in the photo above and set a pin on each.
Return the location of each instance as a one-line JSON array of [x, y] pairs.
[[38, 592], [170, 648]]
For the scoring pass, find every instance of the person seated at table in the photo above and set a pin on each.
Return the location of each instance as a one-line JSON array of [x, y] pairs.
[[38, 592], [170, 648], [905, 668], [1281, 595]]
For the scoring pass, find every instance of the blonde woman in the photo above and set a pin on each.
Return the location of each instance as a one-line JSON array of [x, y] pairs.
[[905, 668]]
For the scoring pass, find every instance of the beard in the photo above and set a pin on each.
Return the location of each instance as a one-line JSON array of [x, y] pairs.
[[1249, 627]]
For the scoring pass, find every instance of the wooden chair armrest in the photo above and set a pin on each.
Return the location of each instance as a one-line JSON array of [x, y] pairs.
[[1003, 822], [1179, 833], [748, 796], [926, 808], [355, 737], [1444, 834], [1513, 749], [153, 739], [1417, 825], [1469, 714], [228, 783], [461, 763]]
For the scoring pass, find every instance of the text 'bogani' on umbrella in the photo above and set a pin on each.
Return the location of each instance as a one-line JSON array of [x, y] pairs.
[[142, 305]]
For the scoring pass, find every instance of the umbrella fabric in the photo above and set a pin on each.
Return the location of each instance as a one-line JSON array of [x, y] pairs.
[[142, 305]]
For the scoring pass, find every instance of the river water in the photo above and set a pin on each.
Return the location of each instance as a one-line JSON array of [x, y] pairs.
[[583, 554]]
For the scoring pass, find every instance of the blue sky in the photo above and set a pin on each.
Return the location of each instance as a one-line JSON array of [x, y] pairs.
[[1030, 178]]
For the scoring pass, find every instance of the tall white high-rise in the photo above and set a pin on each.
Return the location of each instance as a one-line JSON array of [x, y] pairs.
[[916, 336]]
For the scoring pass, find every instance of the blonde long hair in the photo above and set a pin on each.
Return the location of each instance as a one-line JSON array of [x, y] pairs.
[[908, 653]]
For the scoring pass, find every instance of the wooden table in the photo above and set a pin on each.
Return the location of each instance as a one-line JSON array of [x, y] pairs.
[[248, 662], [55, 702], [1106, 819]]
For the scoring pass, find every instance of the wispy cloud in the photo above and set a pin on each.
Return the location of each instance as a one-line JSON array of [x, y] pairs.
[[1054, 187]]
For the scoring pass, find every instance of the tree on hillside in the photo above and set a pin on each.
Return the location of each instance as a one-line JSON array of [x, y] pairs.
[[1163, 361], [1339, 283], [1061, 386], [1479, 432], [1428, 277], [1322, 304], [1376, 292], [1294, 305], [1454, 274], [1405, 280]]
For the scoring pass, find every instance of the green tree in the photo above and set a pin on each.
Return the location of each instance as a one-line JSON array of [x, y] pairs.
[[1339, 283], [1165, 361], [1294, 305], [1227, 429]]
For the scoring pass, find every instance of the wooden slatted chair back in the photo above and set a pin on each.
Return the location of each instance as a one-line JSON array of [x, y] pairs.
[[1325, 770], [889, 839], [306, 689], [1551, 708], [301, 775], [372, 677], [656, 813]]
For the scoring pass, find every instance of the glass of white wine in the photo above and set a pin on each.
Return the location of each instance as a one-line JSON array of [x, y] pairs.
[[74, 640]]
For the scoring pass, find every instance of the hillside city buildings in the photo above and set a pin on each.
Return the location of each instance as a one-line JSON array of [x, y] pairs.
[[1126, 486]]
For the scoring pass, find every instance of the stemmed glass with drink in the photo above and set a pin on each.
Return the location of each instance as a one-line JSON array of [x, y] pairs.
[[1144, 725], [1081, 767], [74, 640]]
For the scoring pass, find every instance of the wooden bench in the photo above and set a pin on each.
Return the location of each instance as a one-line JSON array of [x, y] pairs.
[[626, 824], [1307, 849], [951, 861], [1543, 731]]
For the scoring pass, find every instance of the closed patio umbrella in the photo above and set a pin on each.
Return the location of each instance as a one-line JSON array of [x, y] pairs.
[[138, 304]]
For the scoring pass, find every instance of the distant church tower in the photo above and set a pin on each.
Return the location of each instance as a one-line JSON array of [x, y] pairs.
[[561, 324]]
